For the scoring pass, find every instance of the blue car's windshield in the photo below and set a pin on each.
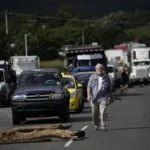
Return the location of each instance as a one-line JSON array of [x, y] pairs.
[[81, 77], [39, 78], [69, 83]]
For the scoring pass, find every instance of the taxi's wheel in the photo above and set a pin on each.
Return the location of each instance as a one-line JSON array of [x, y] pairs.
[[80, 108]]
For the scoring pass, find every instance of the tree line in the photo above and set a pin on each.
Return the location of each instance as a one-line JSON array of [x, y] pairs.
[[50, 33]]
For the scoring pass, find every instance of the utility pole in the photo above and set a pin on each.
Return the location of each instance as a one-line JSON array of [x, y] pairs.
[[83, 37], [26, 43], [6, 21]]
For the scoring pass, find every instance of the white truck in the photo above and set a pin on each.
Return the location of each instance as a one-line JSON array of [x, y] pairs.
[[7, 82], [21, 63], [82, 56], [140, 71], [140, 53], [88, 60], [111, 70], [114, 58], [140, 65]]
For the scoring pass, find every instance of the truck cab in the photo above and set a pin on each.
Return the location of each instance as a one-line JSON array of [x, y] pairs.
[[81, 56], [7, 82], [140, 70]]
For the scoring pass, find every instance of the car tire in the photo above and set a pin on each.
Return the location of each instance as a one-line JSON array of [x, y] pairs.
[[16, 118], [64, 116], [81, 107]]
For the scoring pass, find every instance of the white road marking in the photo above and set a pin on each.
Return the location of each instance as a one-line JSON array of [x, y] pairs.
[[71, 140], [84, 128], [68, 143]]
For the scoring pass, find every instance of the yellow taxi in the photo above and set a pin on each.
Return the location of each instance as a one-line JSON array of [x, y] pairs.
[[75, 90]]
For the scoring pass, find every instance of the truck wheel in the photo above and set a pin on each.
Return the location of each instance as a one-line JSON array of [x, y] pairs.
[[16, 118], [7, 102], [64, 116]]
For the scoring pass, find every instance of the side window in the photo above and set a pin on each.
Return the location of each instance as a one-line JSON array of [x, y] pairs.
[[61, 78], [5, 77], [76, 82]]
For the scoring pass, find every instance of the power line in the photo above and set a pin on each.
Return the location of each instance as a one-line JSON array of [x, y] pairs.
[[76, 20]]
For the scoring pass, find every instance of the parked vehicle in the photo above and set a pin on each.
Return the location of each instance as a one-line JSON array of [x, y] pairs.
[[7, 82], [40, 93], [82, 69], [76, 97], [22, 63], [83, 78], [81, 56], [112, 73], [140, 71]]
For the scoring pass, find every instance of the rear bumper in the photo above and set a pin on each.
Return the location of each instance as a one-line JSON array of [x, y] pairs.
[[36, 108], [140, 79]]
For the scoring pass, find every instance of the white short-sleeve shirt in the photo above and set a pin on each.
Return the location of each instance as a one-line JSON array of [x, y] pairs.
[[99, 82]]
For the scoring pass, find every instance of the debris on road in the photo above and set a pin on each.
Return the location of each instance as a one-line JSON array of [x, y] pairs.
[[113, 98], [39, 134]]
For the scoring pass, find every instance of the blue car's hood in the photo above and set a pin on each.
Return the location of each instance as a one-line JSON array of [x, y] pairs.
[[45, 89]]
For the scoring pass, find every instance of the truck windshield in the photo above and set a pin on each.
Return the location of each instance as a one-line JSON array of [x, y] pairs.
[[39, 78], [69, 83], [91, 62], [1, 76], [94, 62], [110, 69], [141, 63], [83, 63]]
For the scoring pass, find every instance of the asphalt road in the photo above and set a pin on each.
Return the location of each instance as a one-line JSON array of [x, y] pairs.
[[128, 126]]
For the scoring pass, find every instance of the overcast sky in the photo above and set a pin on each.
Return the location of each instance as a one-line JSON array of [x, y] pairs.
[[88, 7]]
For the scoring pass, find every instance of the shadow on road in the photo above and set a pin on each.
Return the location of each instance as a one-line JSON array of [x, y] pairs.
[[132, 128], [131, 94], [42, 121], [81, 119]]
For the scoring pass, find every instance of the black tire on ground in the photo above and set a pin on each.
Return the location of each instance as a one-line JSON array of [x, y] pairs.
[[65, 116], [16, 118]]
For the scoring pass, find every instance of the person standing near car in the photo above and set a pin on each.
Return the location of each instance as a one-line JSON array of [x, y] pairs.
[[98, 90], [125, 80]]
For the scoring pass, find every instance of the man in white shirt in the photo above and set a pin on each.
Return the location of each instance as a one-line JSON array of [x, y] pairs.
[[98, 90]]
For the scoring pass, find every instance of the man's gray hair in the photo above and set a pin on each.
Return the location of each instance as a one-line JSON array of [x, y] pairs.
[[99, 66]]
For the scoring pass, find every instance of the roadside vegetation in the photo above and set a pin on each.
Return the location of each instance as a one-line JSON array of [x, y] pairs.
[[59, 64], [49, 33]]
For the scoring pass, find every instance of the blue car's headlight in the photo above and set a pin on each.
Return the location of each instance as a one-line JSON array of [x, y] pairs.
[[57, 96], [18, 98]]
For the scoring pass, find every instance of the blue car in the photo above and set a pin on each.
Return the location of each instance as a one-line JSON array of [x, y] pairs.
[[83, 78], [83, 69]]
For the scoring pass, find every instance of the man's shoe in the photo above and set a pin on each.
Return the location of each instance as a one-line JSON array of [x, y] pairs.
[[104, 128], [96, 127]]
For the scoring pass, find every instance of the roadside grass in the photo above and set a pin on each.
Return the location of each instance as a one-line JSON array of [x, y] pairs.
[[58, 64]]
